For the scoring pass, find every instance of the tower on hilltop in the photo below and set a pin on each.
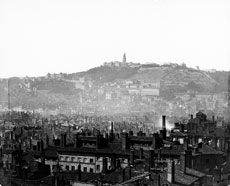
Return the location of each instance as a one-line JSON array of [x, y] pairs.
[[124, 58]]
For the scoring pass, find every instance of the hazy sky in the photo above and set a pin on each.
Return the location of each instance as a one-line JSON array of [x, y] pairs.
[[41, 36]]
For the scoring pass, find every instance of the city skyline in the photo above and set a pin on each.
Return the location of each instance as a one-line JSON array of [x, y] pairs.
[[60, 36]]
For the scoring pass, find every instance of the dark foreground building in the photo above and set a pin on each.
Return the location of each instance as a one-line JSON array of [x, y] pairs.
[[195, 153]]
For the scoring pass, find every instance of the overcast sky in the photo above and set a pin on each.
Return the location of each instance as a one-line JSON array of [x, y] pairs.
[[41, 36]]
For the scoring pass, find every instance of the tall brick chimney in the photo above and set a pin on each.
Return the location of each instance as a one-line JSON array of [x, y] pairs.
[[131, 157], [118, 163], [129, 172], [151, 158], [76, 141], [63, 140], [141, 153], [186, 160], [155, 141], [98, 140], [163, 122], [43, 158], [125, 141], [191, 117], [79, 172], [171, 172], [185, 144], [156, 180], [111, 134], [104, 165]]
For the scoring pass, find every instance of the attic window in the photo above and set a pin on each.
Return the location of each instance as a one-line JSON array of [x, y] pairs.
[[61, 158], [85, 160], [67, 158]]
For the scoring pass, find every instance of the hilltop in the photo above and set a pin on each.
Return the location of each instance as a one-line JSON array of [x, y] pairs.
[[65, 91]]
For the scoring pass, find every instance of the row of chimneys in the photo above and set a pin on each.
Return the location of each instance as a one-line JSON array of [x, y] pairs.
[[185, 162], [213, 117], [110, 138]]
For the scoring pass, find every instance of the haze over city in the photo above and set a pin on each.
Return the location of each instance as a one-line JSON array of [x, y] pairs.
[[37, 37]]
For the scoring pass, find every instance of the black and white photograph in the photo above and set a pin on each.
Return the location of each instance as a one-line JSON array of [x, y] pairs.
[[114, 92]]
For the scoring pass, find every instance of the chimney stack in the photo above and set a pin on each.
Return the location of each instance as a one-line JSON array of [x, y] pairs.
[[155, 141], [113, 162], [217, 175], [76, 141], [43, 158], [182, 162], [159, 154], [118, 163], [111, 135], [214, 142], [132, 157], [112, 127], [185, 145], [63, 140], [98, 141], [129, 172], [163, 134], [123, 175], [79, 172], [213, 118], [47, 141], [125, 141], [151, 158], [191, 116], [182, 128], [156, 180], [130, 133], [141, 153], [40, 147], [104, 165], [171, 172], [188, 158], [163, 122]]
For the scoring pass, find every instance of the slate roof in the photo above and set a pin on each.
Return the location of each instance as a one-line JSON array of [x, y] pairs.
[[208, 150]]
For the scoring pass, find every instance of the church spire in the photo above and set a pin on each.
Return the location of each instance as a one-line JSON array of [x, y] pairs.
[[124, 58]]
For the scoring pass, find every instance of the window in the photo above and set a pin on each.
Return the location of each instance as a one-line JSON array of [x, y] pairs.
[[85, 160], [67, 158], [91, 170], [91, 160], [73, 168], [67, 167], [85, 169], [79, 159], [61, 158], [73, 159], [98, 167]]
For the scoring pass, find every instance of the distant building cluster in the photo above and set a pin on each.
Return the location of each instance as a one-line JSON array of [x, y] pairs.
[[124, 63]]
